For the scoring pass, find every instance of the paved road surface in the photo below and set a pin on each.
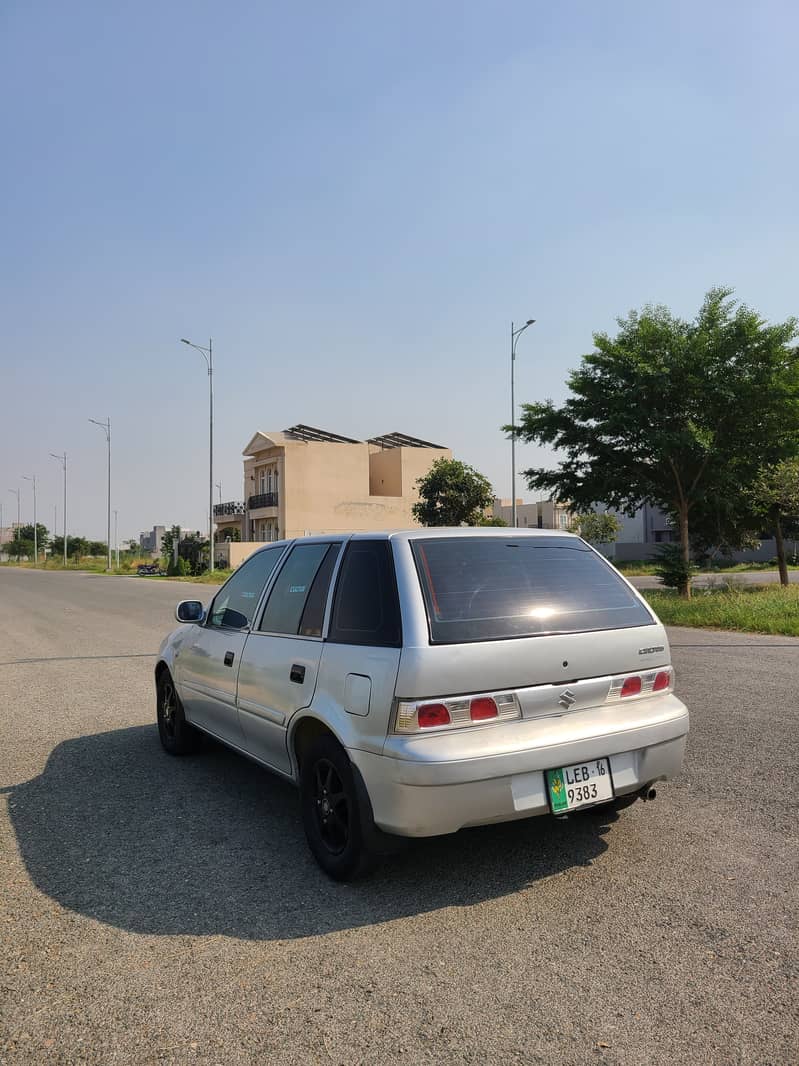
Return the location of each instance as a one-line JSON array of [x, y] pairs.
[[746, 577], [157, 910]]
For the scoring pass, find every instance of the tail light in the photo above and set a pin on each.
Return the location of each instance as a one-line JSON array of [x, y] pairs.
[[431, 715], [419, 716], [632, 687], [662, 681], [482, 708], [644, 684]]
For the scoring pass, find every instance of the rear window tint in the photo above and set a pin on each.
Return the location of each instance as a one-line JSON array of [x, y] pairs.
[[481, 588]]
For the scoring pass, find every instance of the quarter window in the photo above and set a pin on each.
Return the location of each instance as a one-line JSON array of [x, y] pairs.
[[234, 605], [366, 607]]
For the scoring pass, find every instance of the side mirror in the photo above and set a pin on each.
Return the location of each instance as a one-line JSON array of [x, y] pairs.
[[190, 611]]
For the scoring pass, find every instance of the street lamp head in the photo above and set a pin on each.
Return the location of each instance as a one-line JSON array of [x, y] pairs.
[[184, 341], [529, 322]]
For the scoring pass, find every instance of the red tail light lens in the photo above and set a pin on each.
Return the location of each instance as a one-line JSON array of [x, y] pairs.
[[662, 681], [631, 686], [482, 708], [432, 714]]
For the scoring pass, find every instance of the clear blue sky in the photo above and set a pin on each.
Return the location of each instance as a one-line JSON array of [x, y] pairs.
[[354, 199]]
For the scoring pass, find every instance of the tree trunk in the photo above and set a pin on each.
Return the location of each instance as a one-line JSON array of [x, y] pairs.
[[781, 560], [685, 545]]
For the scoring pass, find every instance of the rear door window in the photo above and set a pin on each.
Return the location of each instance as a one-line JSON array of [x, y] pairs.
[[296, 604], [366, 607], [490, 588]]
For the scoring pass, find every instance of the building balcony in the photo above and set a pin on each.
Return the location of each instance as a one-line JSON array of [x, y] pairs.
[[263, 499], [228, 510]]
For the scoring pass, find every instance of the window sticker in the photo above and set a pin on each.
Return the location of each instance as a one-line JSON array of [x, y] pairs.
[[297, 588]]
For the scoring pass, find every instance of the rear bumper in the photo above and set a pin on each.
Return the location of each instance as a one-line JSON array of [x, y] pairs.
[[422, 797]]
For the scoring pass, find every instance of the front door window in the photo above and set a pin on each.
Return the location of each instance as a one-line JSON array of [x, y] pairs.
[[234, 605]]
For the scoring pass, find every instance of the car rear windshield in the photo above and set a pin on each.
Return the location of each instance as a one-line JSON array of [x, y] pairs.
[[491, 588]]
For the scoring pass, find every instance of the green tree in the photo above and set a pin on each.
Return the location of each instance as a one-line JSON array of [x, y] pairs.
[[673, 413], [19, 548], [168, 543], [597, 528], [77, 547], [97, 547], [452, 494], [776, 498], [42, 535], [193, 550]]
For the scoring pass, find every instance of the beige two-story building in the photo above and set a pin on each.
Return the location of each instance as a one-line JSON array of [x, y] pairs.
[[304, 480]]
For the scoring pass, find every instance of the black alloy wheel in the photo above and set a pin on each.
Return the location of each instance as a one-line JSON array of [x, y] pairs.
[[177, 736], [332, 807], [332, 814]]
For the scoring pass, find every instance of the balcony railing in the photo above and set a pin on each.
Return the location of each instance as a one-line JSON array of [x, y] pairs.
[[263, 499], [230, 508]]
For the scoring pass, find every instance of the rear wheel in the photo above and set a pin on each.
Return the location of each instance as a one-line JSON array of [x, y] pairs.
[[332, 814], [177, 736]]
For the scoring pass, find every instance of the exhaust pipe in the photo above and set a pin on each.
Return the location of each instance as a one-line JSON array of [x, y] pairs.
[[648, 793]]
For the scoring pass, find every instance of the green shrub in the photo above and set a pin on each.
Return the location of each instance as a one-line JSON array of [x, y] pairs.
[[671, 568]]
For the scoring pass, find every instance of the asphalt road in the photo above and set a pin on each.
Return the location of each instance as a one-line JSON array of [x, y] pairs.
[[736, 577], [157, 910]]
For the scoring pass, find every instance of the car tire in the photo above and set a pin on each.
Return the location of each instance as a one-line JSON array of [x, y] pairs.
[[177, 736], [332, 814]]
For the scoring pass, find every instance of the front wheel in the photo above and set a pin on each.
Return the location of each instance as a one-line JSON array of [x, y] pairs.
[[177, 736], [331, 811]]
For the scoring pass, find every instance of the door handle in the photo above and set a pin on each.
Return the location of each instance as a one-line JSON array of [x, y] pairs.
[[297, 674], [229, 658]]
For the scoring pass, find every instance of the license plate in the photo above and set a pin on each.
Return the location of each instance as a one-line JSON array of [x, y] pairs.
[[579, 785]]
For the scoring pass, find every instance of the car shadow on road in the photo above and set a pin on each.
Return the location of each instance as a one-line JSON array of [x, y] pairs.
[[116, 830]]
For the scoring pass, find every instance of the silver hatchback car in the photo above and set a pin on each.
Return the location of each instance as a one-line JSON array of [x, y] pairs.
[[414, 683]]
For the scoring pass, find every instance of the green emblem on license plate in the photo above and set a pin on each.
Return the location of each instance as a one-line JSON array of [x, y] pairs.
[[557, 790]]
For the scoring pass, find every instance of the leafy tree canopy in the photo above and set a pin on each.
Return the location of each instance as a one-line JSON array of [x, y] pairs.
[[597, 528], [452, 494], [775, 496], [673, 413]]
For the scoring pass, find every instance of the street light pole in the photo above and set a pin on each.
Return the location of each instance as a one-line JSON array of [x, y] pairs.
[[116, 536], [32, 478], [106, 428], [514, 336], [208, 355], [63, 460], [16, 493]]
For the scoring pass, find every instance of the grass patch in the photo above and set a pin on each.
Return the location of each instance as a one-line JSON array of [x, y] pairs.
[[217, 578], [646, 568], [763, 609], [90, 565]]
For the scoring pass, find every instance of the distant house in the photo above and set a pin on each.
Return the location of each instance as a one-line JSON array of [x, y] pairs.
[[304, 480], [152, 541], [638, 539], [545, 514]]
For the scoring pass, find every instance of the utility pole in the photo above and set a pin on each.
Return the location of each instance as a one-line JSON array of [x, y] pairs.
[[63, 460], [208, 355], [32, 477], [106, 427], [514, 336], [116, 536], [16, 493]]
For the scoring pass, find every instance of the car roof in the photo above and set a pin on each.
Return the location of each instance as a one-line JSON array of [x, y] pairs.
[[426, 533]]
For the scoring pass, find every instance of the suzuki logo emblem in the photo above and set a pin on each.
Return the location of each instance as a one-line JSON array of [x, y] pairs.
[[567, 698]]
